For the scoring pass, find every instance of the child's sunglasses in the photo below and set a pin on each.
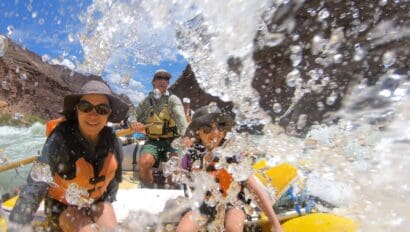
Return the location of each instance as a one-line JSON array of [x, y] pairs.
[[220, 126]]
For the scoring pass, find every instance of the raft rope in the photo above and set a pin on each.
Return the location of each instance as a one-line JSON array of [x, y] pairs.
[[301, 201]]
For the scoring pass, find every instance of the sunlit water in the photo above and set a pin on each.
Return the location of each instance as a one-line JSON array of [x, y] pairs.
[[360, 164]]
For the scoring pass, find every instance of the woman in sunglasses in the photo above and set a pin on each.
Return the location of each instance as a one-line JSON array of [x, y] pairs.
[[84, 158], [207, 131]]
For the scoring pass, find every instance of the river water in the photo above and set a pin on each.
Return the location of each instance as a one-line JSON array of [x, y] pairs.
[[16, 144], [361, 163]]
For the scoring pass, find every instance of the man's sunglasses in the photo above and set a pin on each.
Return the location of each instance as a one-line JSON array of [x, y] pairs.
[[165, 78], [86, 107], [220, 126]]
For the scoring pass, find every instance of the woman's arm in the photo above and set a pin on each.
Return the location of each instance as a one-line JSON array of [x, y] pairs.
[[264, 202]]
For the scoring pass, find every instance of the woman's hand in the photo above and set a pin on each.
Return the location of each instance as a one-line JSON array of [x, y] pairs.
[[186, 142]]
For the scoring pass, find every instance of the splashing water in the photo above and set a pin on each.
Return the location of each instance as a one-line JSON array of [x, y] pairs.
[[350, 163], [41, 172], [201, 34]]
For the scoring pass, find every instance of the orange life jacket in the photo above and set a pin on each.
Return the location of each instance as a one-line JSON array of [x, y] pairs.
[[224, 179], [85, 179], [52, 124]]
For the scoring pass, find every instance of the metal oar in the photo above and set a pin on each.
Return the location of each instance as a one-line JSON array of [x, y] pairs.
[[18, 163]]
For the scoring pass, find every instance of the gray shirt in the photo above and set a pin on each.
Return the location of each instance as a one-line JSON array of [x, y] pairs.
[[140, 114]]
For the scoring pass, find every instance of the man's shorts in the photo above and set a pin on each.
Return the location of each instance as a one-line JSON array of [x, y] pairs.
[[159, 149]]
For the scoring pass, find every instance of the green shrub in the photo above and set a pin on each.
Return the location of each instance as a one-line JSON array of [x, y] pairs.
[[7, 120], [34, 118]]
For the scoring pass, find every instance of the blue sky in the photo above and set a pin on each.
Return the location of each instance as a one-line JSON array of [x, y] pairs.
[[51, 29]]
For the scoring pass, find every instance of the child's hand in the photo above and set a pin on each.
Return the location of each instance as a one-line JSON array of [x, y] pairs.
[[186, 142]]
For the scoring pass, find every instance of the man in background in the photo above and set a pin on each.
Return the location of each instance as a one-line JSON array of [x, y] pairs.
[[162, 116]]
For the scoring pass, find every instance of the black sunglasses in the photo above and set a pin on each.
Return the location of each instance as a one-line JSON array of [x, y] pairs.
[[162, 78], [86, 107], [220, 126]]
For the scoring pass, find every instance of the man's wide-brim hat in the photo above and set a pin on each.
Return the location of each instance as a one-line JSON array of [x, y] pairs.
[[205, 115], [119, 108]]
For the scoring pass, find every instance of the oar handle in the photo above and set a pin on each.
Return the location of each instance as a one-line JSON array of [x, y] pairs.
[[124, 132], [18, 163]]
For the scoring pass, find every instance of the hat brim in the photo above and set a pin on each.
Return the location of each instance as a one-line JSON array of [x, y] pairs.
[[119, 108], [207, 119]]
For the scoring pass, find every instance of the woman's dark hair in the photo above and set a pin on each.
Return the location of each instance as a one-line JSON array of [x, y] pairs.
[[70, 116]]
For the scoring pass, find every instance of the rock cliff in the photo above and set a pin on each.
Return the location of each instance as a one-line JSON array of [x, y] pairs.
[[309, 54], [29, 86]]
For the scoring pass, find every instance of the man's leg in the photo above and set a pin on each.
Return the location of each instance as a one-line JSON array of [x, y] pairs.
[[145, 164], [147, 160]]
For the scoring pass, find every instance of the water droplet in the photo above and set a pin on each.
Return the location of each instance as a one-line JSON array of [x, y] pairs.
[[360, 53], [292, 78], [171, 166], [301, 121], [277, 108], [75, 195], [125, 81], [330, 100], [40, 172], [338, 58], [41, 21], [296, 56], [70, 38], [383, 2], [314, 74], [320, 106], [389, 58], [323, 14], [23, 76], [385, 93], [10, 30], [318, 44], [45, 58], [274, 39], [311, 11]]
